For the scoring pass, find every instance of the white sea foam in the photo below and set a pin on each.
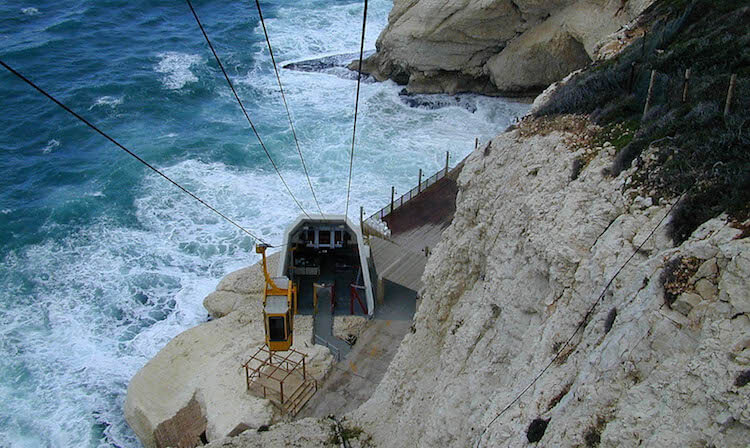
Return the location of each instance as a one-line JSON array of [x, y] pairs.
[[29, 11], [111, 101], [51, 145], [6, 211], [175, 67]]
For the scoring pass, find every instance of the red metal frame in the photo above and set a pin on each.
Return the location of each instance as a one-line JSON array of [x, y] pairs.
[[354, 294]]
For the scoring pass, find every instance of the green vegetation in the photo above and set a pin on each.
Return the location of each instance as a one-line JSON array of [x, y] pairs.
[[676, 275], [677, 146], [348, 433]]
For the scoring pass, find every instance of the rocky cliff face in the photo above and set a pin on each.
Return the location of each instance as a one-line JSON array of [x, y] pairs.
[[526, 257], [493, 46], [507, 293]]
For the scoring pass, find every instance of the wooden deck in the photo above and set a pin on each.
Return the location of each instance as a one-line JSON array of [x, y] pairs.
[[415, 226]]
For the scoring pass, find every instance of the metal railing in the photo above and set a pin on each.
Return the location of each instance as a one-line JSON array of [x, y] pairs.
[[409, 195], [334, 351]]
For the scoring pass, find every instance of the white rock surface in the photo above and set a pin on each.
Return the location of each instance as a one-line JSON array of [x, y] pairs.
[[526, 256], [346, 326], [488, 45], [205, 363]]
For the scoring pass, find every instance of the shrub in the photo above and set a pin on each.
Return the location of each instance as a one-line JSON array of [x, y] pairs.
[[675, 277], [697, 151]]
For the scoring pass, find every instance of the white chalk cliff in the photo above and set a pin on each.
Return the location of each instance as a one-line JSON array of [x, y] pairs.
[[527, 255], [490, 46]]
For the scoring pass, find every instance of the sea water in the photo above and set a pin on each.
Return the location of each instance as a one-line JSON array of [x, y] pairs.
[[101, 260]]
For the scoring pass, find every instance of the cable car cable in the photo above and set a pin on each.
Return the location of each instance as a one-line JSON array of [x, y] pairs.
[[131, 153], [252, 126], [356, 108], [584, 320], [286, 106]]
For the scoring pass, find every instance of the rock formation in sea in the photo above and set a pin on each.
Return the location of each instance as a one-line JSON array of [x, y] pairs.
[[493, 46]]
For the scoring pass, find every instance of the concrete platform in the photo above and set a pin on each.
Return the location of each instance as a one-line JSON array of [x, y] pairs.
[[353, 380]]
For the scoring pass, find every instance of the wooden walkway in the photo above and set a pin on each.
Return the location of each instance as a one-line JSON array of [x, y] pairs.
[[416, 228]]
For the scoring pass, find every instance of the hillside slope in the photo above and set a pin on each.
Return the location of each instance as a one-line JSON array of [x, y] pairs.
[[524, 332]]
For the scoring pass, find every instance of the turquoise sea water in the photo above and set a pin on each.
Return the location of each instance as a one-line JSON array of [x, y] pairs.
[[101, 260]]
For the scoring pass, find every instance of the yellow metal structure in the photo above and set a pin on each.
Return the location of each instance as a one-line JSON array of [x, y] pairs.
[[279, 308]]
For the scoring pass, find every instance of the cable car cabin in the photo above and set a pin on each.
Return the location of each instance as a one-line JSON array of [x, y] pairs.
[[327, 250], [279, 308]]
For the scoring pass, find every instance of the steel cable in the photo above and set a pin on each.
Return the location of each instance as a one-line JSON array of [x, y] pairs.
[[286, 106], [583, 321], [131, 153], [244, 111], [356, 108]]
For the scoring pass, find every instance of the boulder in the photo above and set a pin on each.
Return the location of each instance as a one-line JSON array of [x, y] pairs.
[[220, 303], [457, 45], [195, 387], [685, 302], [198, 374], [533, 61], [249, 280]]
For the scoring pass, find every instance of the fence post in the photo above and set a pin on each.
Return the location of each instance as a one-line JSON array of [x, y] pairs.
[[447, 160], [362, 220], [685, 86], [730, 94], [476, 143], [650, 94], [393, 194], [419, 184]]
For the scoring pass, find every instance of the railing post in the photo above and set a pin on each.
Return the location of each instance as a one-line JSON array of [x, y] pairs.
[[650, 94], [419, 184], [247, 378], [447, 160], [281, 389], [730, 95], [304, 373], [685, 86], [393, 193], [362, 220]]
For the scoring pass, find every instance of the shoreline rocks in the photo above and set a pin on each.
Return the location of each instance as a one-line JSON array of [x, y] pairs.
[[497, 47], [194, 389]]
